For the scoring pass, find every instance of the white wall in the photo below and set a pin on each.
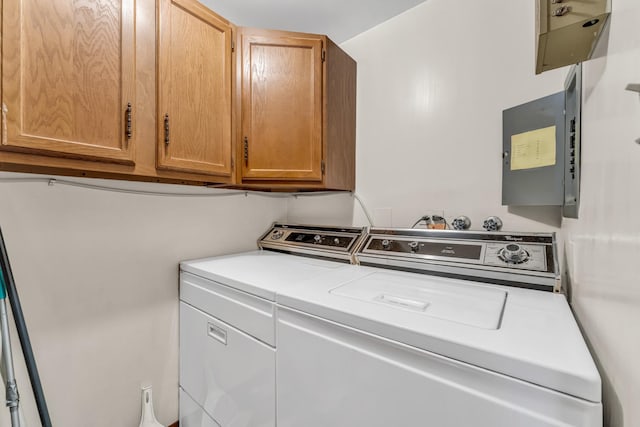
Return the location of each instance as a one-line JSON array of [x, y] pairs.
[[603, 245], [97, 273], [432, 85]]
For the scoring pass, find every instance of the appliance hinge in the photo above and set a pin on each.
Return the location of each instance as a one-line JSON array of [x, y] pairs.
[[128, 130], [166, 129], [324, 55], [5, 110], [322, 167], [246, 151]]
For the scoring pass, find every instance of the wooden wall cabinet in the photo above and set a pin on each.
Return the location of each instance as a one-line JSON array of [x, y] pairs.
[[194, 89], [297, 111], [153, 90], [68, 78]]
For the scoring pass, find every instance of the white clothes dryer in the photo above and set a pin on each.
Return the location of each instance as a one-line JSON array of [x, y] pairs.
[[227, 327]]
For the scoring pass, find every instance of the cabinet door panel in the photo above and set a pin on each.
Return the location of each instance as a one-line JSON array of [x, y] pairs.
[[68, 73], [282, 108], [194, 89]]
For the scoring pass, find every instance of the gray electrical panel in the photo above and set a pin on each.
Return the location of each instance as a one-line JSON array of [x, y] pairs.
[[533, 164], [573, 124], [541, 150]]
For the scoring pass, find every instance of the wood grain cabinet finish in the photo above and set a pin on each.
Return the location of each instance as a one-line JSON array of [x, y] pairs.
[[152, 90], [297, 111], [194, 89], [68, 77]]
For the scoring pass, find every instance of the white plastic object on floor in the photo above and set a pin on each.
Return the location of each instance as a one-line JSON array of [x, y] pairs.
[[148, 417]]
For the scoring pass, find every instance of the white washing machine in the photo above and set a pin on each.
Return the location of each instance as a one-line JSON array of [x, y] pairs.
[[434, 328]]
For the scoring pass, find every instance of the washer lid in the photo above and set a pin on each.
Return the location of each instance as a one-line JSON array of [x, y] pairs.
[[468, 304]]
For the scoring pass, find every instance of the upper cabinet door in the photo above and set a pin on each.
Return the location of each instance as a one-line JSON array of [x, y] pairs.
[[194, 89], [68, 76], [281, 107]]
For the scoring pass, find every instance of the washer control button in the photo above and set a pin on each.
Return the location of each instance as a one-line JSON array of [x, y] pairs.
[[317, 238], [414, 246], [513, 254], [277, 234], [386, 244]]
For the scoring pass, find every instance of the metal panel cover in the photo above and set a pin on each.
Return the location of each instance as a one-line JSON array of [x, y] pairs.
[[538, 186]]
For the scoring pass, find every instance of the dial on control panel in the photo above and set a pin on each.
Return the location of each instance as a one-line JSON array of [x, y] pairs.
[[277, 234], [513, 254]]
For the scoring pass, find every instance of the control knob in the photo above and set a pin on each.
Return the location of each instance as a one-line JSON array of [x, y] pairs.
[[336, 241], [493, 223], [386, 244], [514, 254], [317, 238], [461, 223], [414, 246], [277, 234]]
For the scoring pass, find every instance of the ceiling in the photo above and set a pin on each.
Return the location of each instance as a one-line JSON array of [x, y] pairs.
[[339, 19]]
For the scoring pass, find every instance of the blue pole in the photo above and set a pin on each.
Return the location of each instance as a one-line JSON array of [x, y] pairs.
[[3, 287]]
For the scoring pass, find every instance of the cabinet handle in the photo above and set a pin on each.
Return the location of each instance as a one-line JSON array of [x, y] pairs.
[[217, 333], [128, 129], [246, 151], [166, 129]]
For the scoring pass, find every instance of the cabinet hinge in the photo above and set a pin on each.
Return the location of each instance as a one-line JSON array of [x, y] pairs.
[[233, 163], [322, 167], [324, 55], [5, 110], [233, 45]]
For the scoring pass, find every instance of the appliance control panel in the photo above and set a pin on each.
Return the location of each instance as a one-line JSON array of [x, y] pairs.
[[515, 251], [307, 239]]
